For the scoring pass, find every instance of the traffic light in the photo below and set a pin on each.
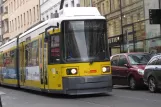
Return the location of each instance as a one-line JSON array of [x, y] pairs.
[[155, 16]]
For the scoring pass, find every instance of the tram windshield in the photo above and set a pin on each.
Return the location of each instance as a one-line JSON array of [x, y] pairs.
[[85, 41]]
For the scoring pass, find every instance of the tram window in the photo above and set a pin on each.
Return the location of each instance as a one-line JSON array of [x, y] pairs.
[[35, 53], [32, 53], [55, 49], [85, 41]]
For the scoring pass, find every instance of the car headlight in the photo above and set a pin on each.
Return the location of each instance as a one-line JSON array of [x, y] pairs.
[[105, 69], [141, 72], [71, 71]]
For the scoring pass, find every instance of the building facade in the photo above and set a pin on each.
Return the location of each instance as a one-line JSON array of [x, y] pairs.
[[0, 22], [18, 16], [128, 25], [50, 8], [4, 20], [86, 3]]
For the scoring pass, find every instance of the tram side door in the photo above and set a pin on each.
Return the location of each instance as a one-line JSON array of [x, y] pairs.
[[45, 57], [43, 65], [21, 64]]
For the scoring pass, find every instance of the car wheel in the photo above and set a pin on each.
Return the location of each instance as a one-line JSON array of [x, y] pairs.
[[152, 85], [132, 83]]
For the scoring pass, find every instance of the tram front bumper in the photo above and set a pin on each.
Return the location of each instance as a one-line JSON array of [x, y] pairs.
[[87, 85]]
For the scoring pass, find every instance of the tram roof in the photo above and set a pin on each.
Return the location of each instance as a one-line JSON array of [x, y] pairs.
[[70, 13], [13, 40]]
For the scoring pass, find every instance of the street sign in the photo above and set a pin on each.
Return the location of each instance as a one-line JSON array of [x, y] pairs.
[[155, 16]]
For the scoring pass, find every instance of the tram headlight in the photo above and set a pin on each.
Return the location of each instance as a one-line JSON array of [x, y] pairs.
[[106, 69], [71, 71]]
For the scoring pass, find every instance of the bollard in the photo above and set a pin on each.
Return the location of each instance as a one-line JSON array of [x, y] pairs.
[[1, 93]]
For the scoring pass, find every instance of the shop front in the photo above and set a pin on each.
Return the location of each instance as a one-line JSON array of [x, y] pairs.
[[137, 37]]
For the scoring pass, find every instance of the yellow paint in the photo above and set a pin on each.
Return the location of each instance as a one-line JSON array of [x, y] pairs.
[[12, 48], [10, 81], [55, 31], [59, 71], [55, 78]]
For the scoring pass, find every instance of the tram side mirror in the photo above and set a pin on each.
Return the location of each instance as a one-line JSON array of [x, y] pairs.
[[47, 30], [47, 34]]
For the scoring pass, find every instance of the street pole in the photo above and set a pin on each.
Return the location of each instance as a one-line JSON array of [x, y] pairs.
[[160, 19], [127, 42], [90, 3], [121, 24]]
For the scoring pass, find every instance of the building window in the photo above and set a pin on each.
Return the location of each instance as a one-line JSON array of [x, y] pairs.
[[24, 19], [47, 17], [18, 22], [107, 4], [123, 3], [118, 4], [125, 20], [138, 17], [113, 5], [114, 28], [52, 15], [21, 20], [12, 25], [66, 5], [37, 12], [30, 16], [20, 2], [103, 8], [11, 7], [15, 24], [131, 17], [72, 2], [15, 4], [34, 15]]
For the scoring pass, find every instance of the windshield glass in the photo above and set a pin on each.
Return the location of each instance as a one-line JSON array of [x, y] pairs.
[[139, 59], [86, 40]]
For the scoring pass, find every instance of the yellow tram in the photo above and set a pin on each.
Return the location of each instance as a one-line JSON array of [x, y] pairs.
[[67, 55]]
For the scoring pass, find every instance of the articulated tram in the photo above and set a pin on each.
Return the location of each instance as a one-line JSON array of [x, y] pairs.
[[66, 55]]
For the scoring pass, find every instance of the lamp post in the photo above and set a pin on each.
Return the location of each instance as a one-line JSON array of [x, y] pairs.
[[122, 24]]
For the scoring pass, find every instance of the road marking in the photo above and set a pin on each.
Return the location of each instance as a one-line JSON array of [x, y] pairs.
[[136, 98]]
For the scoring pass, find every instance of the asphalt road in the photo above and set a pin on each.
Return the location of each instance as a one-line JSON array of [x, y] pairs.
[[120, 97]]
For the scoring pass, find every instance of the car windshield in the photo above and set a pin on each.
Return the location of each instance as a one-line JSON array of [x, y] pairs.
[[139, 59]]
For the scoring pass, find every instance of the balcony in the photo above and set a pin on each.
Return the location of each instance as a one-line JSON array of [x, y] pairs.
[[5, 16], [5, 13], [3, 1], [5, 26]]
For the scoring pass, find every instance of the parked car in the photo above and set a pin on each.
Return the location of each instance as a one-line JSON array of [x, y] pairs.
[[152, 74], [128, 68]]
